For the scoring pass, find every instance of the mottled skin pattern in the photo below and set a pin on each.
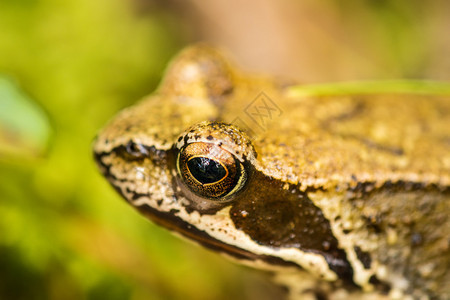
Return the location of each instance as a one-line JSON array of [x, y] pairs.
[[344, 196]]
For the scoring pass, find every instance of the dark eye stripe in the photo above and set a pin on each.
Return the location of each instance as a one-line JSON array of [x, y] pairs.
[[206, 170]]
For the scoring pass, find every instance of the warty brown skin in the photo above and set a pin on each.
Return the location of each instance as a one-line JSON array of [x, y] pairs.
[[354, 189]]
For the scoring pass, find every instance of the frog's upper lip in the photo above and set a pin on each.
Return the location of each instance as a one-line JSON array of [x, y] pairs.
[[104, 168]]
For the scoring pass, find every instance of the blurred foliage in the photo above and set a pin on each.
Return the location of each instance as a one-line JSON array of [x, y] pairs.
[[67, 67], [327, 41]]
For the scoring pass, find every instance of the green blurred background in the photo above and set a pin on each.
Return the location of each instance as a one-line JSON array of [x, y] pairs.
[[66, 67]]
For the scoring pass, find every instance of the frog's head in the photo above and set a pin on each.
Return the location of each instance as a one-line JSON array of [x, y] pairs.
[[176, 157]]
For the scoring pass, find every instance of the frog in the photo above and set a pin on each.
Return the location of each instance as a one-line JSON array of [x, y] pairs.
[[340, 195]]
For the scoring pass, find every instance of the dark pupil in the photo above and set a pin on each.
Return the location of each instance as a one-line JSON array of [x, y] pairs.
[[206, 170]]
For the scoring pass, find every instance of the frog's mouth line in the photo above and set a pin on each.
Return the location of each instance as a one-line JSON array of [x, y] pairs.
[[177, 225], [173, 223]]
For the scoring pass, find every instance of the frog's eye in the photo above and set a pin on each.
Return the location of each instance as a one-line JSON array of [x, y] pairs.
[[210, 171]]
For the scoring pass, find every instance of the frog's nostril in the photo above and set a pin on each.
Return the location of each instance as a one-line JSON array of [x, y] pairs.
[[136, 150]]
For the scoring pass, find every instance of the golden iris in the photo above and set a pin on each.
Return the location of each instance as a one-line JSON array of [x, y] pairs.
[[208, 170]]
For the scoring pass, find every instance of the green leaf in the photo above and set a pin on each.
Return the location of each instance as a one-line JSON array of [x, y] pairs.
[[372, 87], [24, 126]]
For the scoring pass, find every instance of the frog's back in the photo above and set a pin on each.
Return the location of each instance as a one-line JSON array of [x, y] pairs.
[[357, 138]]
